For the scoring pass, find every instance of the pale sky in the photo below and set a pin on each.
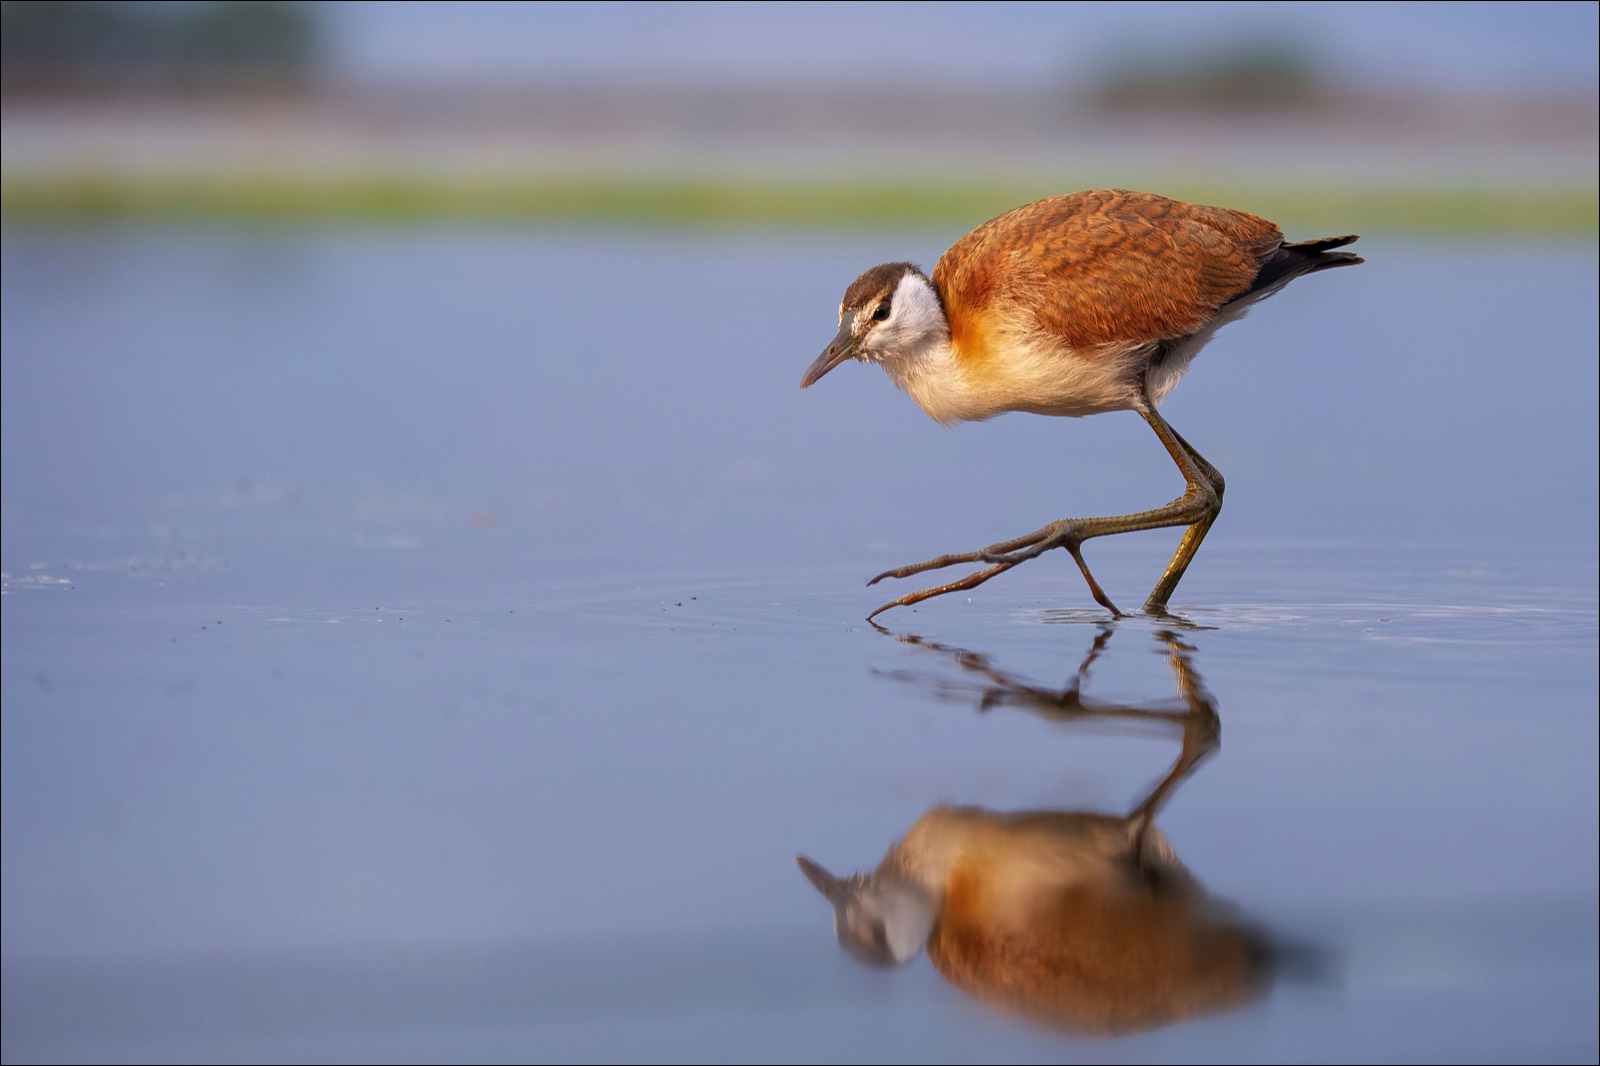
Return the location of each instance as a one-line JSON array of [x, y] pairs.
[[1456, 47]]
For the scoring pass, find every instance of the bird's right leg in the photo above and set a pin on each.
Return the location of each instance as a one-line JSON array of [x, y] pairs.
[[1004, 556], [971, 581], [1196, 509]]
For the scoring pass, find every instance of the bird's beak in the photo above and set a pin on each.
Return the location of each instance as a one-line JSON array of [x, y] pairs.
[[826, 883], [843, 347]]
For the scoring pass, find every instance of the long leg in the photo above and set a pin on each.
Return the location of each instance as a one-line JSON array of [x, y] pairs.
[[1197, 509], [1202, 728], [1203, 485], [972, 581]]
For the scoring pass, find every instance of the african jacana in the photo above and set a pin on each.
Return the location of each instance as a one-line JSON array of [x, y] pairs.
[[1083, 921], [1072, 305]]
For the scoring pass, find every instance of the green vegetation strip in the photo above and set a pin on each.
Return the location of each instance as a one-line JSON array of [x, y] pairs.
[[688, 202]]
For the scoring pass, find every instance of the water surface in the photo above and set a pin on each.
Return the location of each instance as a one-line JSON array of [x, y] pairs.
[[437, 644]]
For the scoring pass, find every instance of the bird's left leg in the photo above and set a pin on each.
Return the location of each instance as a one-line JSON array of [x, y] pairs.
[[1202, 736], [1205, 484]]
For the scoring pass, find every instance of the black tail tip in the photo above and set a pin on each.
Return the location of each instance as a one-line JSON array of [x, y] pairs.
[[1323, 244]]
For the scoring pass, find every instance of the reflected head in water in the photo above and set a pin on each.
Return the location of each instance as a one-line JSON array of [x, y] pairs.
[[1081, 920], [1084, 920], [883, 918]]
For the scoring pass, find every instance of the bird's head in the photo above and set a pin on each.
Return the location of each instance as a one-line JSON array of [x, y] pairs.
[[888, 315], [881, 918]]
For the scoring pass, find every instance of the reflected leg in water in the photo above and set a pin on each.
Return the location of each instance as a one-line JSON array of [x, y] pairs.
[[1083, 920]]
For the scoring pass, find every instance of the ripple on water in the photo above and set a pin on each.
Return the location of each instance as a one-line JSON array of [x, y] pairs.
[[1413, 623]]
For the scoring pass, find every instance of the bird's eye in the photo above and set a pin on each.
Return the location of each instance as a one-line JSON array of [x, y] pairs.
[[881, 312]]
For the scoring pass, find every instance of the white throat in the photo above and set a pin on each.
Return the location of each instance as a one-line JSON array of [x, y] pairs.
[[913, 346]]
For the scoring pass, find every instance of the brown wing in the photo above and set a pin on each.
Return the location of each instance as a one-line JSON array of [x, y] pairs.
[[1101, 959], [1102, 267]]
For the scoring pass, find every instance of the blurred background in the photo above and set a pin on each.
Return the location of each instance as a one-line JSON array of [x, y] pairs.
[[432, 611], [1459, 117]]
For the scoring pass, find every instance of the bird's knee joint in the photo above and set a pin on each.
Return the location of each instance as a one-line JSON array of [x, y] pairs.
[[1204, 495]]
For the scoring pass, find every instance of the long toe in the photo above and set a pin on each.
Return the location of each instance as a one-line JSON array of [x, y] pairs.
[[932, 564], [1010, 552], [971, 581]]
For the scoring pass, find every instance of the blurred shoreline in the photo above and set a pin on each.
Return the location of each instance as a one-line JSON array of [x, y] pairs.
[[711, 154]]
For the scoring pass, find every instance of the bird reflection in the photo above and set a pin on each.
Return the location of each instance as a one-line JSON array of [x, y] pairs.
[[1084, 920]]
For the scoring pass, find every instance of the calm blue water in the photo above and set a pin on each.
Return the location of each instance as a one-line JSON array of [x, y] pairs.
[[437, 644]]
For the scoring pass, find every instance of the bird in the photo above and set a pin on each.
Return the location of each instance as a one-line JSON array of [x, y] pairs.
[[1081, 920], [1072, 305]]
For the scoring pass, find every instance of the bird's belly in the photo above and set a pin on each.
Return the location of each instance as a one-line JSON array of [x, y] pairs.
[[1041, 379]]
